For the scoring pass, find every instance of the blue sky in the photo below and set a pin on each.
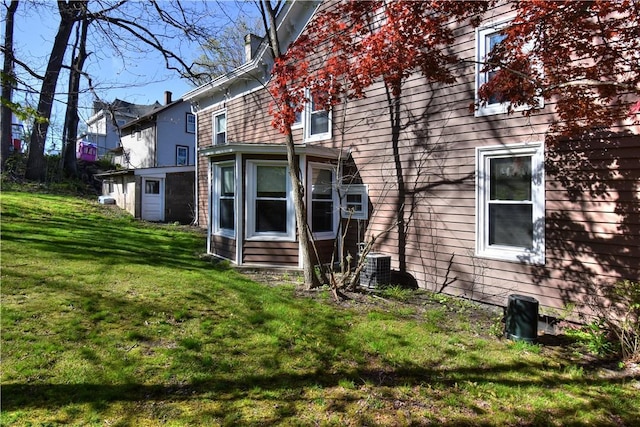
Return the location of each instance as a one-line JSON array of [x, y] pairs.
[[135, 77]]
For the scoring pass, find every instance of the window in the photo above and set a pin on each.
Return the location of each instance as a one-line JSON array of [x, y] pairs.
[[355, 202], [510, 202], [191, 123], [317, 122], [152, 186], [182, 155], [270, 206], [323, 199], [224, 199], [220, 128], [486, 39], [110, 186]]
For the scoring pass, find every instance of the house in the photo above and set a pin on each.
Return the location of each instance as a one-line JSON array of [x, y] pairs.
[[470, 203], [155, 174], [104, 125]]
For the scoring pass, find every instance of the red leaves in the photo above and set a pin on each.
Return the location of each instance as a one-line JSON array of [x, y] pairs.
[[585, 55], [356, 43]]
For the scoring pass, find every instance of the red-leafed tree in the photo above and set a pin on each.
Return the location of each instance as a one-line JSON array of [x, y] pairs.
[[359, 43], [582, 55]]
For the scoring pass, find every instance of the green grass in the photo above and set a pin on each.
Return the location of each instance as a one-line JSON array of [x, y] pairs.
[[109, 321]]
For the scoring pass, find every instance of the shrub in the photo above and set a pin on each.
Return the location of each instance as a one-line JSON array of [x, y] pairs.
[[624, 317]]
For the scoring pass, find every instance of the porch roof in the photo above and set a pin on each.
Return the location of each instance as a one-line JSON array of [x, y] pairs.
[[262, 148]]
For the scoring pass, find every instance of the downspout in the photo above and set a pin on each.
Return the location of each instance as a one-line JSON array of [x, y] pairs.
[[196, 220]]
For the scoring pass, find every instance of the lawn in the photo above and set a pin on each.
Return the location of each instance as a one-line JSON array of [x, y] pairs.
[[110, 321]]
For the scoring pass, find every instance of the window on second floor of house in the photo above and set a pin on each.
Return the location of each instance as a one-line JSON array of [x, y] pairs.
[[182, 155], [317, 121], [219, 127], [191, 123], [487, 38]]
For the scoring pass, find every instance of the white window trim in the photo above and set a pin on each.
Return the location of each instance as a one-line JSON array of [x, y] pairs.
[[251, 233], [535, 255], [217, 192], [334, 199], [358, 189], [481, 77], [306, 118], [215, 128], [178, 149], [190, 122]]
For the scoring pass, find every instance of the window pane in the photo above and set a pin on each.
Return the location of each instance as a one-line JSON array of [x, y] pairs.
[[152, 187], [226, 214], [354, 202], [492, 40], [322, 216], [271, 216], [511, 225], [226, 181], [319, 122], [322, 185], [510, 178], [272, 181], [221, 123]]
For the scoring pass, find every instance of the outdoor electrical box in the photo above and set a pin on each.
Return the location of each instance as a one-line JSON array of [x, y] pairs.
[[521, 320]]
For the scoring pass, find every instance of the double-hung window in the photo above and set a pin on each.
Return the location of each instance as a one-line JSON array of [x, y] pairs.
[[510, 202], [182, 155], [270, 207], [191, 123], [323, 210], [224, 199], [317, 121], [219, 127], [486, 40]]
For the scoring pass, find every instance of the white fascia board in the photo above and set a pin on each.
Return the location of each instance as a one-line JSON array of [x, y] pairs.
[[249, 148], [162, 171]]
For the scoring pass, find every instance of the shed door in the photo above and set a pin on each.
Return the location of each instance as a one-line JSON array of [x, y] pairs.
[[152, 199]]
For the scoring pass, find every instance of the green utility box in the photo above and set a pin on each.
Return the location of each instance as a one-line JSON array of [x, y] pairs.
[[521, 321]]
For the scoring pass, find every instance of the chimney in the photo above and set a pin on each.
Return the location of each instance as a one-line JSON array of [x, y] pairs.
[[167, 97], [251, 44]]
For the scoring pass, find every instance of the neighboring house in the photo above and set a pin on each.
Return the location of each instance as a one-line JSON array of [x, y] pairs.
[[489, 208], [104, 126], [155, 175]]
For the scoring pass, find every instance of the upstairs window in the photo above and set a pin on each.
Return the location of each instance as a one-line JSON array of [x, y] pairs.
[[220, 128], [191, 123], [317, 121], [182, 155], [487, 38]]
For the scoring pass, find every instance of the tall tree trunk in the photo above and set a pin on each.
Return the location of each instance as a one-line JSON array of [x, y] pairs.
[[6, 114], [304, 235], [394, 118], [70, 165], [69, 12]]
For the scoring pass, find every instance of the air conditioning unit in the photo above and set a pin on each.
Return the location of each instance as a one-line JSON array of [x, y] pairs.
[[376, 271]]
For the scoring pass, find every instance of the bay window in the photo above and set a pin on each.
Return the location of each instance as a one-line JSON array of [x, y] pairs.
[[224, 199], [270, 206]]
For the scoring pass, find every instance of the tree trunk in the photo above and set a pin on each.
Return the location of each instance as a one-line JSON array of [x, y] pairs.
[[6, 114], [70, 164], [36, 165], [304, 238]]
